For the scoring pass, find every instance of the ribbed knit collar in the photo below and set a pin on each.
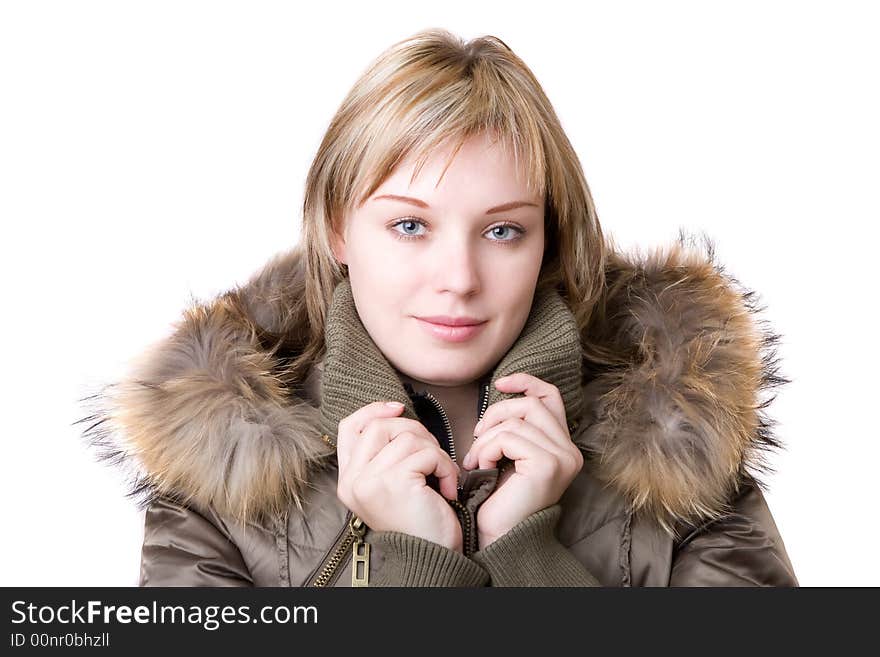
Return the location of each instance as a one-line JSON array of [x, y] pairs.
[[355, 373]]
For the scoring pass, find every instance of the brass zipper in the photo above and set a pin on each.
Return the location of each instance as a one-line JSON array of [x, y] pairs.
[[360, 556], [467, 533], [353, 533]]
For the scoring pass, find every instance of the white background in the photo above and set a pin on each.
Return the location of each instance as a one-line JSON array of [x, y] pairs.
[[149, 151]]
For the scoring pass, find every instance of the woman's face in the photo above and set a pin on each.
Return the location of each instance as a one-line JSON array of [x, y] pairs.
[[469, 247]]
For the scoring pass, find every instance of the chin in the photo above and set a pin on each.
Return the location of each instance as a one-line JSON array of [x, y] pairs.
[[450, 374]]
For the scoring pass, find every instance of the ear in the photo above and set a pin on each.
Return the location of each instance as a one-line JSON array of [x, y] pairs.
[[337, 244]]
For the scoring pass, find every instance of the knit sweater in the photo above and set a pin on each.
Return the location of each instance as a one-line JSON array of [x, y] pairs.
[[355, 373]]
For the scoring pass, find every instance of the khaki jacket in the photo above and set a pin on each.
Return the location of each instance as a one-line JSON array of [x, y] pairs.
[[235, 465]]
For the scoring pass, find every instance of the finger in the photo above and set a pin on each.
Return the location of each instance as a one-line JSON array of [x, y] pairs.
[[521, 428], [381, 431], [430, 461], [403, 445], [531, 386], [352, 425], [528, 409], [510, 445]]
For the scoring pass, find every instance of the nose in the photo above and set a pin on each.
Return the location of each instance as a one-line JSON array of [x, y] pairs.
[[456, 267]]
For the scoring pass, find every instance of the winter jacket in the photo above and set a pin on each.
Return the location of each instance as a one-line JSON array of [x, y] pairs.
[[235, 464]]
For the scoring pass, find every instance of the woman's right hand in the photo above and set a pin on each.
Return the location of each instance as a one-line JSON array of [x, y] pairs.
[[383, 461]]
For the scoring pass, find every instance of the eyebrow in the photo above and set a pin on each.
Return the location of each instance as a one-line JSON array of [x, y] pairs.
[[414, 201]]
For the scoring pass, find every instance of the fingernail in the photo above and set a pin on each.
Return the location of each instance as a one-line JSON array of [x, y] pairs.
[[477, 428], [394, 404]]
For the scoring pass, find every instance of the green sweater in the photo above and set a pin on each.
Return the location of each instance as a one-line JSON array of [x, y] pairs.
[[528, 555], [356, 373]]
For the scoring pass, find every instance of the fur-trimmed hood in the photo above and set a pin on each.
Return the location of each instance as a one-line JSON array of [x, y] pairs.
[[671, 417]]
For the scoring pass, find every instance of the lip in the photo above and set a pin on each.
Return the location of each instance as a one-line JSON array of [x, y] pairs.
[[446, 320], [459, 333]]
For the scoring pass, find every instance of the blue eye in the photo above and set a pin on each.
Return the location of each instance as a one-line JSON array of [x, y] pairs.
[[410, 223], [502, 227], [407, 223]]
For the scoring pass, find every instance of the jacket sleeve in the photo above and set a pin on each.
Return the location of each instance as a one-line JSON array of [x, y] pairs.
[[415, 561], [529, 554], [741, 548], [183, 547]]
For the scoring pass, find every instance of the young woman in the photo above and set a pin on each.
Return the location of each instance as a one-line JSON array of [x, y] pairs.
[[560, 414]]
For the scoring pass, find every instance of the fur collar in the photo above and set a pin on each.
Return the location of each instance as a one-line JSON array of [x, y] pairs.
[[672, 418]]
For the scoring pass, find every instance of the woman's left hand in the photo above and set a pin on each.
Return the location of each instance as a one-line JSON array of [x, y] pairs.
[[532, 431]]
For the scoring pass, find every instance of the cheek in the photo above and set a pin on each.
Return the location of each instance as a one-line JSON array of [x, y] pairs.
[[523, 261], [380, 311], [513, 302], [375, 265], [513, 277]]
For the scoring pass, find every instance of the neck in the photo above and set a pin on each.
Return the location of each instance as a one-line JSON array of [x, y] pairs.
[[457, 400], [460, 404]]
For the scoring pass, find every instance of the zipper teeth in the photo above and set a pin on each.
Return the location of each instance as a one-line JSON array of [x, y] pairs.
[[463, 512], [446, 419], [466, 536], [333, 563], [445, 424], [485, 401]]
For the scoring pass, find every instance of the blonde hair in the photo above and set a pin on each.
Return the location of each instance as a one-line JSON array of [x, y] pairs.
[[419, 93]]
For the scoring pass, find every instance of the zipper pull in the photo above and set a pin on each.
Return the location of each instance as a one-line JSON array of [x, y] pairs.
[[360, 553]]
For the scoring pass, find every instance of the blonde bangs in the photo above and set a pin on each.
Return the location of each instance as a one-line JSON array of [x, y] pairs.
[[419, 105], [431, 91]]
